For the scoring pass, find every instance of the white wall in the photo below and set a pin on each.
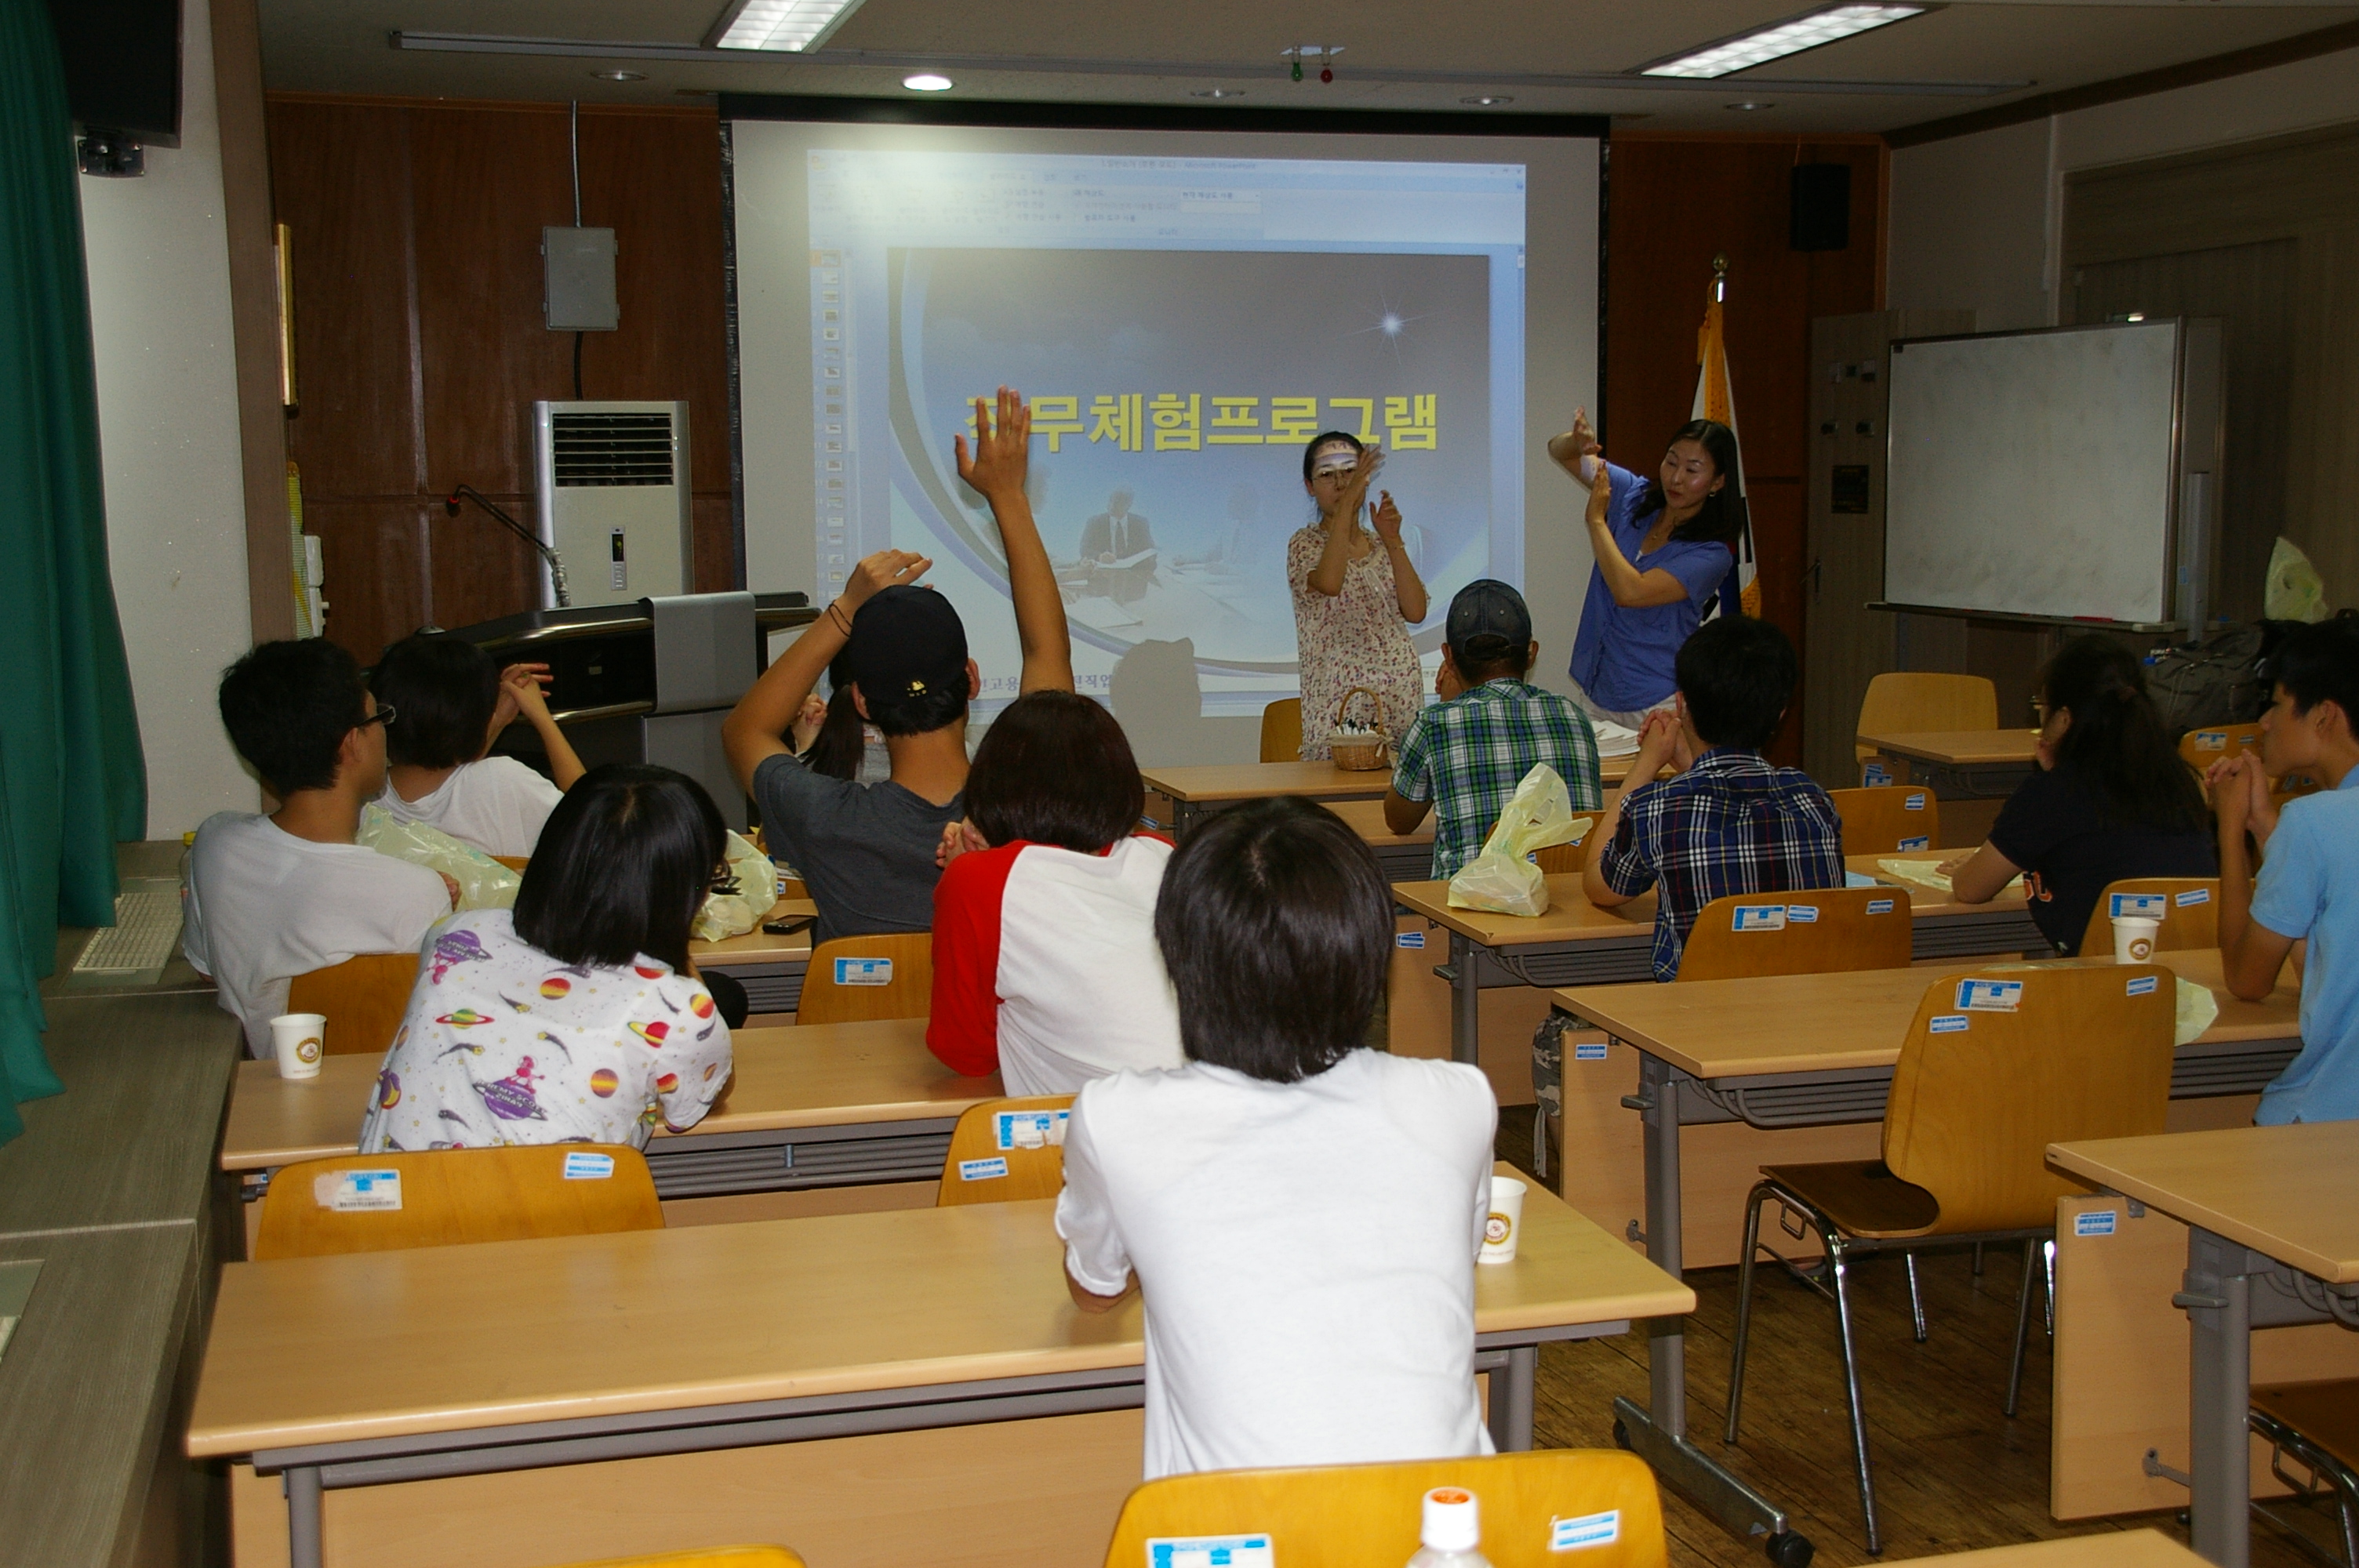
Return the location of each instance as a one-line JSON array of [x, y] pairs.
[[158, 262]]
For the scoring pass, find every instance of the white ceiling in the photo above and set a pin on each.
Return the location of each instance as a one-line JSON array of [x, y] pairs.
[[1396, 55]]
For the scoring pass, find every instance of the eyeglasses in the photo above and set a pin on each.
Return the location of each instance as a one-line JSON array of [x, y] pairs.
[[384, 715], [1335, 471]]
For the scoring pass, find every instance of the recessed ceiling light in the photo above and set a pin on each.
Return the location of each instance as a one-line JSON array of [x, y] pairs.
[[1748, 106], [790, 25], [1780, 40], [927, 81], [1217, 93], [620, 75], [1492, 102]]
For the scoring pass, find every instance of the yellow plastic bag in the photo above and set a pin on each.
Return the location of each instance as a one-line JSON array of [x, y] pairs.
[[1501, 879], [726, 915], [483, 882], [2293, 589]]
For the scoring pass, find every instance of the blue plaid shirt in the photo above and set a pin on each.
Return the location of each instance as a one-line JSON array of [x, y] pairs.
[[1467, 755], [1732, 824]]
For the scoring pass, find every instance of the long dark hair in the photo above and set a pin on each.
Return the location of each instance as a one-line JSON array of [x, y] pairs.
[[1055, 768], [2117, 743], [842, 741], [1721, 520], [621, 866]]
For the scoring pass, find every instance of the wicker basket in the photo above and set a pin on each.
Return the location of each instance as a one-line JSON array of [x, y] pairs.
[[1355, 753]]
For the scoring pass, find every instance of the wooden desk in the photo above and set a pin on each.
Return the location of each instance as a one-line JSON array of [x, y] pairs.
[[1971, 772], [835, 1107], [771, 968], [823, 1334], [2104, 1549], [1194, 791], [1813, 1051], [2271, 1212], [1405, 857]]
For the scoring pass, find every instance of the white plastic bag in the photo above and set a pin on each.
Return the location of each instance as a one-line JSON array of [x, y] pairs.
[[1503, 878], [2293, 589], [728, 915], [483, 882]]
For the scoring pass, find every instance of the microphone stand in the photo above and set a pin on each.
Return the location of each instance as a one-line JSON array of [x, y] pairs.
[[556, 565]]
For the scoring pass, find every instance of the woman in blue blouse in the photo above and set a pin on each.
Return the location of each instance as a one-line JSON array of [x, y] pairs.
[[1663, 547]]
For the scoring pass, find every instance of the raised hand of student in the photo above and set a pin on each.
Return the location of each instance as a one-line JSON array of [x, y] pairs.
[[808, 721], [997, 466], [874, 574], [522, 689]]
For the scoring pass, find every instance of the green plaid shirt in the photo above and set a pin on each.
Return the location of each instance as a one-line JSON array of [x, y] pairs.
[[1467, 755]]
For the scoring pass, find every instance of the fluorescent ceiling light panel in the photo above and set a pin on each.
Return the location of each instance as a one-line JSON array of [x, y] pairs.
[[1780, 40], [785, 25]]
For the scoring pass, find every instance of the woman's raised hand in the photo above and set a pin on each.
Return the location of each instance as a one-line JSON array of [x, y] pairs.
[[1387, 519], [1601, 496], [1349, 499], [1575, 445]]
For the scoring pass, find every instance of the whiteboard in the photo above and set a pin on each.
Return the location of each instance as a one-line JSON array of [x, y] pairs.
[[2031, 474]]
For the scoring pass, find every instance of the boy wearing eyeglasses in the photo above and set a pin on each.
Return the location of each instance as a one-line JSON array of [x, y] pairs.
[[272, 897]]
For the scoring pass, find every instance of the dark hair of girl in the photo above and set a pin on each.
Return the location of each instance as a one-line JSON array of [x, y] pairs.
[[841, 741], [1055, 768], [621, 866], [2116, 741], [445, 691], [1721, 520], [1311, 450]]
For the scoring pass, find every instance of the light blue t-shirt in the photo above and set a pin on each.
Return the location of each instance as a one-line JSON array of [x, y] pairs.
[[2309, 886]]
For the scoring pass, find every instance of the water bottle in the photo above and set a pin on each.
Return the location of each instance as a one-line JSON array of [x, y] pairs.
[[1451, 1533]]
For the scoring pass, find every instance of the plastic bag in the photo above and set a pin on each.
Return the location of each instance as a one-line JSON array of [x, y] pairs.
[[734, 913], [2198, 1007], [1501, 879], [483, 882], [2293, 589]]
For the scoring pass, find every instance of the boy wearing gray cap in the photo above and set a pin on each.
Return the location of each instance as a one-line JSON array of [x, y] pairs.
[[1464, 755]]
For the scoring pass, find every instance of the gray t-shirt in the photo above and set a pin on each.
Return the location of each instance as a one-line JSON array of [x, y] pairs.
[[867, 851]]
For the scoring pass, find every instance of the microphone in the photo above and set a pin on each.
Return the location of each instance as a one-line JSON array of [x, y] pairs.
[[547, 553]]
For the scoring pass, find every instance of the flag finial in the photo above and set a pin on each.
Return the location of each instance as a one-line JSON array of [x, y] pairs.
[[1720, 275]]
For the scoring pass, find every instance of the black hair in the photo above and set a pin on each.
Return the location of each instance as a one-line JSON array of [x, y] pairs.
[[919, 715], [621, 866], [2117, 743], [444, 690], [1276, 930], [1486, 655], [1055, 768], [1737, 674], [287, 706], [841, 741], [1317, 442], [1721, 520], [2320, 662]]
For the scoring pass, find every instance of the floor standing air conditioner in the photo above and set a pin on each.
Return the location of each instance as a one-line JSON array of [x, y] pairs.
[[613, 484]]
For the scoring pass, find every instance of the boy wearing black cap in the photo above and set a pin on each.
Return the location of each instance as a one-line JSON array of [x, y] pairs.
[[867, 851], [1464, 756]]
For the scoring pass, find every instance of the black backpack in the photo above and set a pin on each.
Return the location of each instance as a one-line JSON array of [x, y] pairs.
[[2223, 680]]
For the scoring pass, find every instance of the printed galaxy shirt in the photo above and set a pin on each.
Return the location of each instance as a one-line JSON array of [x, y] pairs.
[[503, 1044]]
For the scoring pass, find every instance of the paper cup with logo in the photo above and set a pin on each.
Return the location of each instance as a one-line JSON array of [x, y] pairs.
[[299, 1040], [1505, 1222], [2134, 938]]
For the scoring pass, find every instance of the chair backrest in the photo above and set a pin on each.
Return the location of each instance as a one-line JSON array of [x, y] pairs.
[[1281, 730], [440, 1197], [1535, 1509], [1820, 931], [516, 863], [709, 1557], [363, 999], [1902, 702], [2188, 910], [1006, 1149], [1989, 1077], [1887, 818], [855, 978], [2199, 749]]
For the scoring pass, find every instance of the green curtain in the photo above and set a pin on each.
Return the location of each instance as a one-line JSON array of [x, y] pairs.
[[72, 778]]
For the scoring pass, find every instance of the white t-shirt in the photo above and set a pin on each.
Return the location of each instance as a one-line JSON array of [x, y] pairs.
[[263, 906], [496, 804], [1307, 1252]]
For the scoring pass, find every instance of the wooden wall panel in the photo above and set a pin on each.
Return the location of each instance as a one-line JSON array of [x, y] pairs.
[[1675, 202]]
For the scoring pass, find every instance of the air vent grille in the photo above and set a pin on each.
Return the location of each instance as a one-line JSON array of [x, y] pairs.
[[611, 449]]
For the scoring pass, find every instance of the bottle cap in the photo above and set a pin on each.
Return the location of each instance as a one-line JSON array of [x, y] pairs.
[[1452, 1522]]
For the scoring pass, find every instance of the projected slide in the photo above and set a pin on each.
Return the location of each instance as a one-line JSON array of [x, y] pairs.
[[1181, 327]]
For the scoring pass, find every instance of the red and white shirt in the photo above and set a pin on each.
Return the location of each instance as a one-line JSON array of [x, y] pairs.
[[1045, 967]]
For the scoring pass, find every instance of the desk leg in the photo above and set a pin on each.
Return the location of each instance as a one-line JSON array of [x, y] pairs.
[[1512, 1399], [1659, 1434], [302, 1517], [1465, 1002], [2219, 1305]]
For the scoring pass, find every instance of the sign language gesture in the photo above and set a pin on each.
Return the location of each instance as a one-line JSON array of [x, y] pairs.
[[1354, 491], [1387, 518], [1577, 445], [997, 466], [1601, 496]]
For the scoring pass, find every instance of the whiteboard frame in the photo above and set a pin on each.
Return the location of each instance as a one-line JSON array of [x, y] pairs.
[[2176, 592]]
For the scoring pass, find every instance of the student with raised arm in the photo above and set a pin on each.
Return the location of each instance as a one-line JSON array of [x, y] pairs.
[[454, 703], [867, 852], [2306, 901]]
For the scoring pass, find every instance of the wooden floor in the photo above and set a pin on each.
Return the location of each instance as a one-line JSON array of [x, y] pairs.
[[1952, 1473]]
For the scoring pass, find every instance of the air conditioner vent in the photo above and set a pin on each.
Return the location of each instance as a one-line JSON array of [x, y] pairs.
[[611, 449]]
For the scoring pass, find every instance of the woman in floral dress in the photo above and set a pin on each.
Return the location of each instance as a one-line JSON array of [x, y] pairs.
[[1355, 596]]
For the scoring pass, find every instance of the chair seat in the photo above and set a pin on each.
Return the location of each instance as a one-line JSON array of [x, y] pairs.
[[2325, 1413], [1862, 1196]]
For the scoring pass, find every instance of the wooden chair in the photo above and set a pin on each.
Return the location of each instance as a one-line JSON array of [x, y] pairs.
[[1281, 730], [363, 999], [890, 975], [1982, 1087], [709, 1557], [452, 1195], [2190, 914], [1847, 928], [2317, 1426], [992, 1162], [1350, 1515], [1901, 701], [1888, 820], [2199, 749], [516, 863]]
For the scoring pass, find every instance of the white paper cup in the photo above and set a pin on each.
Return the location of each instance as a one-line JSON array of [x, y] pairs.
[[299, 1040], [1506, 1220], [2134, 938]]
